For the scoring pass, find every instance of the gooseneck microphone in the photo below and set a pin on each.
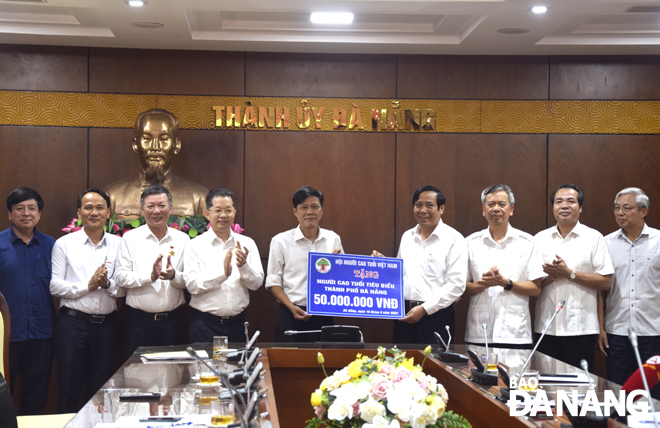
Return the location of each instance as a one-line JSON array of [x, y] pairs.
[[560, 305], [225, 380], [585, 367], [484, 327], [449, 333], [632, 335], [440, 339]]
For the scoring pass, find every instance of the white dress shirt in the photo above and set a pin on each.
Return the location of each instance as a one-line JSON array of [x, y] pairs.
[[434, 270], [584, 250], [287, 260], [506, 313], [633, 299], [206, 281], [75, 260], [138, 252]]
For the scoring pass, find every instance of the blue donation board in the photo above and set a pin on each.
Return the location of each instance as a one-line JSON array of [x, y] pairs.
[[355, 286]]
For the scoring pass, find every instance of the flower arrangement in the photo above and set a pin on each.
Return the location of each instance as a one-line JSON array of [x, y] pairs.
[[193, 225], [382, 392]]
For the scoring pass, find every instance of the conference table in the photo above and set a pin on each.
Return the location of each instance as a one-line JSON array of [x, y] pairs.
[[291, 374]]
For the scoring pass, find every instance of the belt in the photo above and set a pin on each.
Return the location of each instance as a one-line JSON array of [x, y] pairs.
[[412, 303], [156, 316], [223, 320], [91, 318]]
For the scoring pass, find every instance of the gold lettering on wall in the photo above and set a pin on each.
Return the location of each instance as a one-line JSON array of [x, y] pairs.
[[26, 108]]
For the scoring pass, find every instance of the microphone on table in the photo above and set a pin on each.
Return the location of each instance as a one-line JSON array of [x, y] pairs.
[[247, 341], [585, 367], [560, 305], [449, 333], [633, 381], [484, 327], [238, 355], [225, 381], [447, 356]]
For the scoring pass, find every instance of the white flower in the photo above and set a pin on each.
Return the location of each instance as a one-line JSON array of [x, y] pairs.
[[370, 409], [421, 415], [339, 410], [381, 422], [350, 393], [399, 400]]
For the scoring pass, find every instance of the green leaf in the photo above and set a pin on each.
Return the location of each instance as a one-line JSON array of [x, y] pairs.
[[452, 420], [135, 223], [192, 232]]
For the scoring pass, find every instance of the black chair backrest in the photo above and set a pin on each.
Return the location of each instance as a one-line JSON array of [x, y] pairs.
[[7, 412]]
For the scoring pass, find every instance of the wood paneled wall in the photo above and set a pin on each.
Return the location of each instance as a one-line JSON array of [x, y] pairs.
[[368, 178]]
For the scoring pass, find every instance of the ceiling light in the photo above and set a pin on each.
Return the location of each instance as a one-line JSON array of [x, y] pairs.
[[539, 9], [147, 24], [513, 30], [332, 17], [136, 3]]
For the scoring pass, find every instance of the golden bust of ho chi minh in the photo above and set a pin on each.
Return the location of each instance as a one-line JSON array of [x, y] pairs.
[[156, 142]]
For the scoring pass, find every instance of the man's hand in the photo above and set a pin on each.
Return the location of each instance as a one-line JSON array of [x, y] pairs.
[[336, 251], [227, 263], [414, 315], [492, 278], [377, 254], [169, 272], [241, 255], [557, 269], [299, 314], [602, 342], [98, 279], [158, 265]]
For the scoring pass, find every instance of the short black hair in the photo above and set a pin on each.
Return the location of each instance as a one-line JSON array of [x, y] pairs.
[[94, 190], [155, 190], [219, 192], [568, 186], [22, 194], [439, 196], [304, 193]]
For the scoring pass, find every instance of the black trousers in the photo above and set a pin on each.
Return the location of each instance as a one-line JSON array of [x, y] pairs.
[[142, 329], [569, 349], [422, 332], [286, 321], [203, 326], [621, 361], [86, 355], [31, 359]]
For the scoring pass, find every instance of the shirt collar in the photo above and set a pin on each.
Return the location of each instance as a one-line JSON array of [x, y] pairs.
[[436, 231], [216, 239], [150, 234], [298, 234], [14, 237], [142, 178], [622, 234], [486, 236], [577, 230], [87, 240]]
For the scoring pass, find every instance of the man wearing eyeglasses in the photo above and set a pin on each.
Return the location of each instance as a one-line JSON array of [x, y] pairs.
[[221, 269], [632, 299]]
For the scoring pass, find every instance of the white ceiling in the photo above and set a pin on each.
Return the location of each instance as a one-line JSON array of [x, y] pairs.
[[380, 26]]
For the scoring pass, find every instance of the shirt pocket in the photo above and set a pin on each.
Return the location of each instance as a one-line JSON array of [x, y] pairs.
[[477, 315], [515, 322], [42, 268], [646, 266], [434, 267]]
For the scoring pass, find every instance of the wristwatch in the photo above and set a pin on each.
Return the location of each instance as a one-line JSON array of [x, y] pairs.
[[107, 284], [573, 274], [509, 285]]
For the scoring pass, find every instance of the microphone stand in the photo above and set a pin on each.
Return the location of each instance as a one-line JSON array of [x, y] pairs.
[[486, 342], [632, 335], [225, 380], [585, 367], [247, 340], [547, 326]]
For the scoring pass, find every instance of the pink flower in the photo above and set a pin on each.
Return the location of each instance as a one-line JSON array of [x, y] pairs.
[[115, 227], [319, 410], [75, 229], [208, 226], [401, 374], [379, 387], [386, 369], [237, 228], [423, 383], [125, 232], [66, 229], [356, 409], [185, 228], [175, 226]]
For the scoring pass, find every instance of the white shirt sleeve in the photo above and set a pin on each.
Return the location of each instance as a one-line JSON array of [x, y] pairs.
[[125, 273], [252, 273], [454, 279], [58, 286], [275, 265]]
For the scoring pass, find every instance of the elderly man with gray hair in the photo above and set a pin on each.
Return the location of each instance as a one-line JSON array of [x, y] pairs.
[[504, 269], [632, 301]]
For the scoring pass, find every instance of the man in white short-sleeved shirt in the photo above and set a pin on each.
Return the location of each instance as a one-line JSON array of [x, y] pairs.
[[221, 269], [633, 299], [577, 264], [504, 269], [287, 266], [150, 268]]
